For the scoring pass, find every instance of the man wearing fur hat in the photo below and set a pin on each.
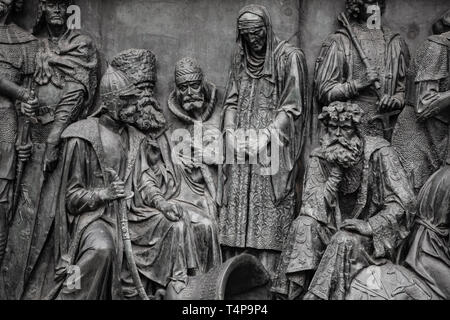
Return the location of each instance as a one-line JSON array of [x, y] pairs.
[[105, 161], [140, 67]]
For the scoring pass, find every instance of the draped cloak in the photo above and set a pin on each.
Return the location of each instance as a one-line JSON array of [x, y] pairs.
[[382, 197], [162, 249], [429, 248], [257, 210]]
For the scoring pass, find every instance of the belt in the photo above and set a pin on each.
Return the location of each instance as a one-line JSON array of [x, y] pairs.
[[42, 110], [46, 114]]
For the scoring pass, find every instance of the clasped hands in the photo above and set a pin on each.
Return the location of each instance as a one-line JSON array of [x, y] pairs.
[[250, 145]]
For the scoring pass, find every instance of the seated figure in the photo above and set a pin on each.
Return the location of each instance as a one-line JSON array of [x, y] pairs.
[[169, 195], [356, 210], [108, 173]]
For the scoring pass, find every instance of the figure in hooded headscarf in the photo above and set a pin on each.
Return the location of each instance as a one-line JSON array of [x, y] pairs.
[[267, 96]]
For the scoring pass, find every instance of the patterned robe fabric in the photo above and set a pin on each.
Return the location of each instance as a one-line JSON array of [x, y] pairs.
[[258, 209], [380, 195]]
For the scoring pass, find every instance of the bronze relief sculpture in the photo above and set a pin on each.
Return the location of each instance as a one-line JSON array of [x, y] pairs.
[[357, 209], [195, 197], [17, 51], [421, 136], [366, 66], [267, 96], [64, 81]]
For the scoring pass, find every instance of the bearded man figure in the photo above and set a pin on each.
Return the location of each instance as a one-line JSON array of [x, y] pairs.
[[357, 208], [341, 74], [266, 97], [193, 104], [105, 161], [140, 67]]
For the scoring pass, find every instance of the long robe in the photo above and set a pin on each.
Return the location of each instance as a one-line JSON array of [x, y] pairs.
[[423, 146], [257, 210], [429, 247], [82, 220], [339, 65], [198, 186], [166, 251], [381, 195]]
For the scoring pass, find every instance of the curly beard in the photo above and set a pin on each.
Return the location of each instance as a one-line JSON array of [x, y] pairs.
[[149, 118], [341, 151], [193, 102]]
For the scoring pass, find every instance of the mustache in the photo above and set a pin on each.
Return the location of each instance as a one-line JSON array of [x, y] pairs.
[[345, 152], [193, 99], [150, 118]]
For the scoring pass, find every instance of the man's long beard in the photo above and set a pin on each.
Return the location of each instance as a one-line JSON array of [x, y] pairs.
[[150, 118], [341, 151]]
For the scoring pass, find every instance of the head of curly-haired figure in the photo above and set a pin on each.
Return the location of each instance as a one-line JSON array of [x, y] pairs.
[[342, 143], [8, 7], [443, 24], [357, 10], [149, 116]]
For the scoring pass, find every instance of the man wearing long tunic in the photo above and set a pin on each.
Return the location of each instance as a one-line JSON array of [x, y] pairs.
[[341, 75], [64, 81], [193, 105], [356, 210], [422, 133], [266, 96]]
